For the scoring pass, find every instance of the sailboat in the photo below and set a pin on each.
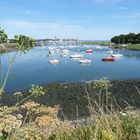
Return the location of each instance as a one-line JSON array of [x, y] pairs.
[[54, 61], [110, 51]]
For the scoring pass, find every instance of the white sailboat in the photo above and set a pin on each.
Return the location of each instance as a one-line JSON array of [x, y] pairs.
[[76, 56], [85, 61], [65, 52], [117, 55], [110, 51], [54, 61]]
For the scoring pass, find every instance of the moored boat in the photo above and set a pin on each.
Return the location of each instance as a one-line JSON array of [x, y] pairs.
[[108, 59], [54, 61], [117, 55], [76, 56], [89, 51], [65, 52], [85, 61], [110, 52], [98, 47]]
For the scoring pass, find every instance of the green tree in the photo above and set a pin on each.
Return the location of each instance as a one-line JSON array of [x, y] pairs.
[[129, 38], [3, 36]]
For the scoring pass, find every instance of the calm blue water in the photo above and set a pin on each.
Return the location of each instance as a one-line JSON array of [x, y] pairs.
[[33, 67]]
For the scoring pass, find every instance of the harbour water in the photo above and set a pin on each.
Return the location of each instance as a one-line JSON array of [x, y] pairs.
[[33, 67]]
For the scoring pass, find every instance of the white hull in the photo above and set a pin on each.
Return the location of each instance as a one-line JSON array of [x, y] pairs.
[[76, 56], [117, 55], [110, 52], [54, 61], [85, 61], [65, 52], [98, 47]]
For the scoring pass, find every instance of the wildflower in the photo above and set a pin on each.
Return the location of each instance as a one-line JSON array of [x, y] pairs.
[[17, 94], [19, 116], [30, 105], [123, 114], [1, 134], [36, 91], [45, 121], [8, 128], [17, 124]]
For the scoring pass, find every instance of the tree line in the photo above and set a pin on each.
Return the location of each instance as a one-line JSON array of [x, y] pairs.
[[126, 38]]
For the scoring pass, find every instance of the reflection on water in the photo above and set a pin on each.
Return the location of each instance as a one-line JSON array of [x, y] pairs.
[[33, 67]]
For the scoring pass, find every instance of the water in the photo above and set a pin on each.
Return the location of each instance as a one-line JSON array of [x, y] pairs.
[[33, 67]]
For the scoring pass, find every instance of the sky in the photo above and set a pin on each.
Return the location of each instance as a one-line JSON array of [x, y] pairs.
[[80, 19]]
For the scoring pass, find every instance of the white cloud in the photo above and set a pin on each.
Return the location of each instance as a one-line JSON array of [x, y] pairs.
[[59, 29]]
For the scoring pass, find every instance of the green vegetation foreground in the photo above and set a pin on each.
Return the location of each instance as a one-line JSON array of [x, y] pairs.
[[29, 116]]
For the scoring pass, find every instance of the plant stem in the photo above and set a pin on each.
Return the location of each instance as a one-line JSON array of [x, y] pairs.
[[23, 100], [9, 67]]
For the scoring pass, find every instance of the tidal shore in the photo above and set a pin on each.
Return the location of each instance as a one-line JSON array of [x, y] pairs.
[[73, 98]]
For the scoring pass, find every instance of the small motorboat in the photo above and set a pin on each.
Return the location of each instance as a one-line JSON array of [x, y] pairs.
[[52, 52], [117, 55], [110, 52], [108, 59], [85, 61], [89, 51], [76, 56], [65, 52], [75, 59], [54, 61], [98, 47]]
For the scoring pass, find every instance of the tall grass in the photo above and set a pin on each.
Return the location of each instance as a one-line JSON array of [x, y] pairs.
[[107, 120]]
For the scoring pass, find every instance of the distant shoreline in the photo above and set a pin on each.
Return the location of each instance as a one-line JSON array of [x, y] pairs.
[[136, 47], [9, 47]]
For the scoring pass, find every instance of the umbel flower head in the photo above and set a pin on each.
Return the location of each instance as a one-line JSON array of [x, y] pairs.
[[36, 91], [25, 43], [30, 105]]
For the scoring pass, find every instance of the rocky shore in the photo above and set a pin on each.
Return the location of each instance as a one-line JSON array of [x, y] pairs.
[[73, 98]]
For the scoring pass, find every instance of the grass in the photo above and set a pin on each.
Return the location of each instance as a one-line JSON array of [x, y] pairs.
[[134, 47], [114, 126], [96, 43]]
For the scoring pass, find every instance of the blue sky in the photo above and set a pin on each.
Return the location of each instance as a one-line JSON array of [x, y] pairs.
[[82, 19]]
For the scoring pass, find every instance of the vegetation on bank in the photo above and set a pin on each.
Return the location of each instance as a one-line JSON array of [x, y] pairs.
[[130, 38], [134, 47], [96, 43]]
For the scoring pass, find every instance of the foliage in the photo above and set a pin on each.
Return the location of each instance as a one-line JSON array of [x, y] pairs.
[[25, 43], [35, 91], [128, 38], [3, 36]]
